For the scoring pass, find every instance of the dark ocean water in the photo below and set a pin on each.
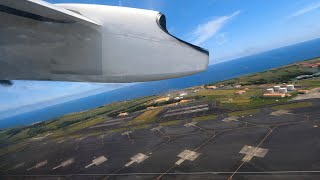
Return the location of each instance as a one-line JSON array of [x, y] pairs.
[[216, 72]]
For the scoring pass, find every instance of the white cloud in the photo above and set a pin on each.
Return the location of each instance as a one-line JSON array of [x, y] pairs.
[[305, 10], [207, 30]]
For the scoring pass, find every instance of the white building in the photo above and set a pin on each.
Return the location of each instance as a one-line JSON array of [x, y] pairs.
[[270, 90], [283, 90], [183, 94], [276, 88], [290, 87]]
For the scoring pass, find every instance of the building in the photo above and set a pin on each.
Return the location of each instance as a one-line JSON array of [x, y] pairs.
[[172, 104], [183, 94], [311, 65], [240, 92], [185, 100], [276, 88], [162, 99], [177, 98], [290, 87], [283, 90], [274, 95], [270, 91], [302, 91], [211, 87], [123, 114]]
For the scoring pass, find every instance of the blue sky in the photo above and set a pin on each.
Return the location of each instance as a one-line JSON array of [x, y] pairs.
[[228, 28]]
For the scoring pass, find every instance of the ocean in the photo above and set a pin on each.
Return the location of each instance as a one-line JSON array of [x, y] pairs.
[[217, 72]]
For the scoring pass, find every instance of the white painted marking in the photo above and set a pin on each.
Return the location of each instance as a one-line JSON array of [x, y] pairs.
[[138, 158], [97, 161], [187, 155], [229, 119], [42, 137], [187, 108], [187, 112], [126, 133], [18, 165], [40, 164], [65, 163], [156, 128], [280, 113], [191, 124], [251, 151]]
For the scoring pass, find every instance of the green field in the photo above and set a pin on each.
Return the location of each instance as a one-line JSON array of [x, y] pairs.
[[244, 112], [149, 116], [170, 123], [205, 118]]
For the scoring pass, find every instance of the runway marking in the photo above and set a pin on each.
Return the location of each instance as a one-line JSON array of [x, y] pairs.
[[156, 128], [186, 112], [42, 137], [126, 133], [65, 163], [40, 164], [230, 119], [190, 124], [187, 108], [97, 161], [138, 158], [270, 131], [280, 113], [251, 151], [187, 155], [18, 165]]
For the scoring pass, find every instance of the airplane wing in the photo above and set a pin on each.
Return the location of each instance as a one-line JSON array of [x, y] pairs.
[[91, 43]]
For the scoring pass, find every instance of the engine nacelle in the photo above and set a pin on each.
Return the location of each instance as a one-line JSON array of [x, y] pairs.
[[125, 45]]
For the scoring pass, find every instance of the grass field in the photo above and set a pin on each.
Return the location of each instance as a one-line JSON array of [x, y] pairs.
[[149, 116], [71, 122], [244, 112], [310, 83], [170, 123], [205, 118]]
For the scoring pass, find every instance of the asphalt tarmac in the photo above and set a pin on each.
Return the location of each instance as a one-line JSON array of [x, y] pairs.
[[291, 142]]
